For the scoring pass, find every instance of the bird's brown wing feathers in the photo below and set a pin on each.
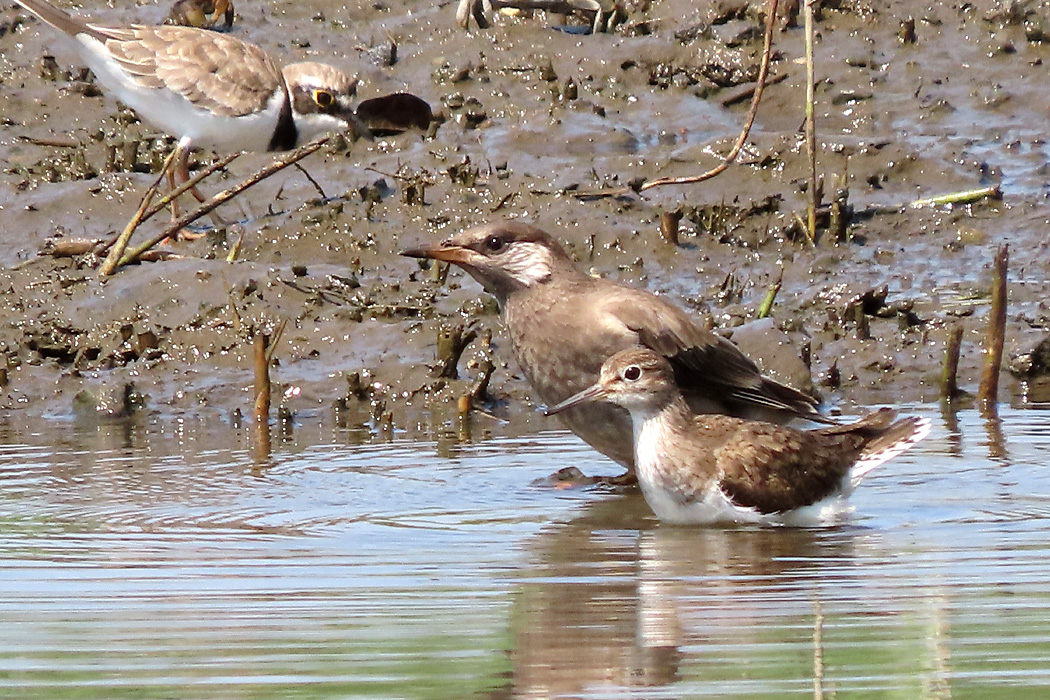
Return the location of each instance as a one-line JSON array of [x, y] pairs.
[[708, 364], [225, 75], [774, 469]]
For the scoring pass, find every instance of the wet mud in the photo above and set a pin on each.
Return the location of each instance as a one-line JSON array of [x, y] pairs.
[[912, 102]]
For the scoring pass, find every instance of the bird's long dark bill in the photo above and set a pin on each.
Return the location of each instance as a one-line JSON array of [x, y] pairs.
[[452, 254], [591, 393]]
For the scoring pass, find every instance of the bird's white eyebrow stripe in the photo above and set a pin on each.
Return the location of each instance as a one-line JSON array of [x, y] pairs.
[[528, 263]]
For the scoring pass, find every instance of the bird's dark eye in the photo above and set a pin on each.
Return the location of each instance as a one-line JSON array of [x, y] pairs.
[[632, 373], [494, 243], [323, 98]]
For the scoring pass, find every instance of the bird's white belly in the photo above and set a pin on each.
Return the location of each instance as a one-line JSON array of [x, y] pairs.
[[708, 504], [178, 116]]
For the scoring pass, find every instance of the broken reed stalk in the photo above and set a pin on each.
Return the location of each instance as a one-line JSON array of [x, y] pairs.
[[766, 307], [263, 348], [225, 196], [988, 392], [950, 370], [811, 129], [669, 222], [261, 405]]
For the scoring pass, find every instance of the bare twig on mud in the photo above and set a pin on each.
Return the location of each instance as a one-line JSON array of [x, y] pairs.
[[75, 247], [747, 92], [313, 182], [225, 196], [146, 212], [988, 392], [963, 197], [50, 143], [730, 158], [113, 258], [191, 183]]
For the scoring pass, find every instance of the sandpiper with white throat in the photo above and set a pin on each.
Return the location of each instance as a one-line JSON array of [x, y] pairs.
[[703, 469], [209, 89], [564, 324]]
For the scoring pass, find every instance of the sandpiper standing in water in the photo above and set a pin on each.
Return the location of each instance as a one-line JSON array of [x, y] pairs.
[[564, 324], [700, 469]]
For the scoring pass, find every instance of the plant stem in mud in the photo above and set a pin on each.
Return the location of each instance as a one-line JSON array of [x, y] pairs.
[[264, 347], [993, 350], [766, 307], [811, 130], [950, 370]]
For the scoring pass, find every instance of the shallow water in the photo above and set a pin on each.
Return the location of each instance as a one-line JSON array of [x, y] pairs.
[[146, 561]]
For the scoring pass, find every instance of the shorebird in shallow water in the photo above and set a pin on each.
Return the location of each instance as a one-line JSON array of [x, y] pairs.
[[209, 89], [564, 324], [698, 469]]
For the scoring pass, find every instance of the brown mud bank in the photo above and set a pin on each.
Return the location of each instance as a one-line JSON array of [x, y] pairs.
[[535, 116]]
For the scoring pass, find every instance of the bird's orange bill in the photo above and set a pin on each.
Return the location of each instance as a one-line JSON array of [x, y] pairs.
[[444, 253]]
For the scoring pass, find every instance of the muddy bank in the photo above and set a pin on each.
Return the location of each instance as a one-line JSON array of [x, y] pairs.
[[533, 116]]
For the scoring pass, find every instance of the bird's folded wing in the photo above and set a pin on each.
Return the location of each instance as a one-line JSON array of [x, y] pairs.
[[771, 470], [222, 74]]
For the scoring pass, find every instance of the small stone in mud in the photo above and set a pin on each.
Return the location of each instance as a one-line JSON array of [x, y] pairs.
[[453, 100], [384, 55], [112, 403], [907, 31], [472, 116], [570, 91], [447, 73], [299, 270], [49, 69], [1035, 30], [1032, 358]]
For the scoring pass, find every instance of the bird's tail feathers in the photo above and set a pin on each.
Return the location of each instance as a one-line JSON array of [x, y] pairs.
[[56, 17], [889, 439]]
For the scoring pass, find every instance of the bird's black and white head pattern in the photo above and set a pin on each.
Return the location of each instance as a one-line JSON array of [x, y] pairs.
[[321, 98]]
